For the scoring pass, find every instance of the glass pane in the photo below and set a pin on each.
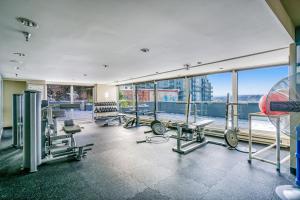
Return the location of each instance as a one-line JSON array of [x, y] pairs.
[[126, 98], [209, 95], [83, 95], [171, 96], [58, 93], [145, 92], [252, 85]]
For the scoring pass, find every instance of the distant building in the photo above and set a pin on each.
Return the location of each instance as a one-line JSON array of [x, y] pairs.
[[147, 95], [201, 89], [172, 90]]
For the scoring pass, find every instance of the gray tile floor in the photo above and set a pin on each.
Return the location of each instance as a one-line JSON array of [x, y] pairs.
[[118, 168]]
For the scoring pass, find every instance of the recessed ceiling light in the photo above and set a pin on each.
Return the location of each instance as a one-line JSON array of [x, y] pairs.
[[27, 22], [145, 50], [19, 54]]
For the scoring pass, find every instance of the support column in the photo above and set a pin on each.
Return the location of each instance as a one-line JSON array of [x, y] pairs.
[[235, 97], [187, 100], [294, 67], [71, 94], [155, 100], [137, 121]]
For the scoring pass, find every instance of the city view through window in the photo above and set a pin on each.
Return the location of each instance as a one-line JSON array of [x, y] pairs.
[[208, 95], [63, 94]]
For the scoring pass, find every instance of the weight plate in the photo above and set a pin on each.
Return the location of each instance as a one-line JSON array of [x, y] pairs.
[[231, 138], [158, 128]]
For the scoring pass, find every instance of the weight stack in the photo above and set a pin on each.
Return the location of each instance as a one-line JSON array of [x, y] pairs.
[[32, 130], [17, 119]]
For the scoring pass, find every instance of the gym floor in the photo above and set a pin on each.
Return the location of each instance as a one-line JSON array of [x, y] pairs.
[[118, 168]]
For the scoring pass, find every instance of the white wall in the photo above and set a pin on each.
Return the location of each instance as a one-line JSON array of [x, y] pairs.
[[39, 86], [106, 93]]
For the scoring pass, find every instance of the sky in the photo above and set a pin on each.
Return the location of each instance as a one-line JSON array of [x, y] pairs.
[[251, 82]]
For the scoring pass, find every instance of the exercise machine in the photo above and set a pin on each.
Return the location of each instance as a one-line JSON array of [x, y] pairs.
[[17, 120], [41, 137], [198, 140], [32, 131], [58, 145], [193, 132]]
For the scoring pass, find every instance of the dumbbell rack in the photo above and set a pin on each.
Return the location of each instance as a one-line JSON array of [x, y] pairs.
[[103, 110]]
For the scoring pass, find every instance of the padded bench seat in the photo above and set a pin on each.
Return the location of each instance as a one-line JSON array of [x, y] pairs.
[[72, 129]]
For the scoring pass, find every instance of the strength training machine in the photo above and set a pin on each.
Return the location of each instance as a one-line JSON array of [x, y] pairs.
[[17, 120], [198, 140], [58, 145], [41, 137]]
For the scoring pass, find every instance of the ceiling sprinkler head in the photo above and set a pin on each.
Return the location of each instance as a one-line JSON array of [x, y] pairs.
[[27, 22], [27, 35], [105, 66], [145, 50], [199, 63], [17, 75], [84, 74], [19, 54], [187, 66]]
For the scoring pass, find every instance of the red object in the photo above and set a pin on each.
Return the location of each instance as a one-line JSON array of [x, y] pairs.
[[264, 102]]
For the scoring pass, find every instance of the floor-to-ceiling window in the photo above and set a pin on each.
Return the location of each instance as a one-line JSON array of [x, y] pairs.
[[80, 96], [126, 98], [58, 94], [145, 99], [208, 97], [252, 85], [83, 95], [171, 99]]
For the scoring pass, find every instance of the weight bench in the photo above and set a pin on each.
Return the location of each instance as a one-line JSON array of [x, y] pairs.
[[78, 152], [198, 140], [71, 128]]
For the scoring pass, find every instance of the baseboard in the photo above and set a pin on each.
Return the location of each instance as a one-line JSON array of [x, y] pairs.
[[293, 171]]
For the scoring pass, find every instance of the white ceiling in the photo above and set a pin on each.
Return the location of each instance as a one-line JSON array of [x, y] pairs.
[[77, 37]]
